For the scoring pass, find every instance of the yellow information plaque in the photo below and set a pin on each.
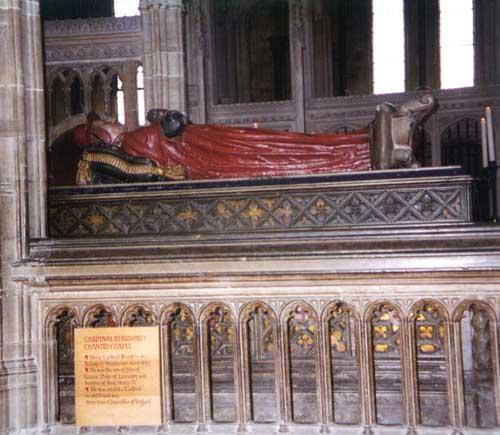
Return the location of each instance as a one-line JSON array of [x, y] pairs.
[[117, 376]]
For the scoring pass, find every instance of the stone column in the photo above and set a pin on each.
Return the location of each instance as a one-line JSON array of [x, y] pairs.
[[367, 379], [130, 96], [164, 59], [197, 18], [497, 42], [297, 46], [22, 201]]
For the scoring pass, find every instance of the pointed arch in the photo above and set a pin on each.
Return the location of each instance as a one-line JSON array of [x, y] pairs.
[[138, 315], [99, 316], [260, 364], [477, 363], [430, 345], [461, 145], [385, 335], [301, 353], [60, 324], [342, 331], [220, 365], [180, 357]]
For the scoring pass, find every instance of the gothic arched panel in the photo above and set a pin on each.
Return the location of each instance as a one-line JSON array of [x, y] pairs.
[[261, 361], [430, 337], [475, 323], [62, 322], [385, 324], [219, 337], [342, 329], [180, 356], [300, 323]]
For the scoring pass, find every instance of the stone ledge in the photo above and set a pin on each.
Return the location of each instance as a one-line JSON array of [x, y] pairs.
[[262, 429]]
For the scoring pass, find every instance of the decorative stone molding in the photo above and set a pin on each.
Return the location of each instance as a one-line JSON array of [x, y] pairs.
[[314, 205], [92, 26], [168, 4], [255, 118], [85, 40], [465, 95], [359, 110], [97, 51], [256, 107]]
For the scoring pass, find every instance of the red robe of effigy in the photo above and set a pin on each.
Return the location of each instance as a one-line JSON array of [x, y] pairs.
[[214, 151]]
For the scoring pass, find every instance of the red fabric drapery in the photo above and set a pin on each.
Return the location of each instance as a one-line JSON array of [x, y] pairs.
[[214, 151]]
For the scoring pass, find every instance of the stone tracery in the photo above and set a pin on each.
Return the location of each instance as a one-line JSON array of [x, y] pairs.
[[340, 323]]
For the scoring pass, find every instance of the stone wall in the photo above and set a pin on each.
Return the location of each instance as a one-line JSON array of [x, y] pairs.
[[22, 201], [454, 269]]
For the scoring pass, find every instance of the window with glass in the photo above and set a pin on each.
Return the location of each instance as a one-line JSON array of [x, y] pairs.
[[120, 101], [387, 46], [126, 8], [456, 43], [388, 35], [141, 105]]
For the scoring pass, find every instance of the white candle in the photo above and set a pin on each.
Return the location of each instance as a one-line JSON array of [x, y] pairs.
[[484, 143], [255, 125], [491, 139]]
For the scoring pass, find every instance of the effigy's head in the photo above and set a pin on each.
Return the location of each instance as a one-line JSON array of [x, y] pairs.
[[173, 123]]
